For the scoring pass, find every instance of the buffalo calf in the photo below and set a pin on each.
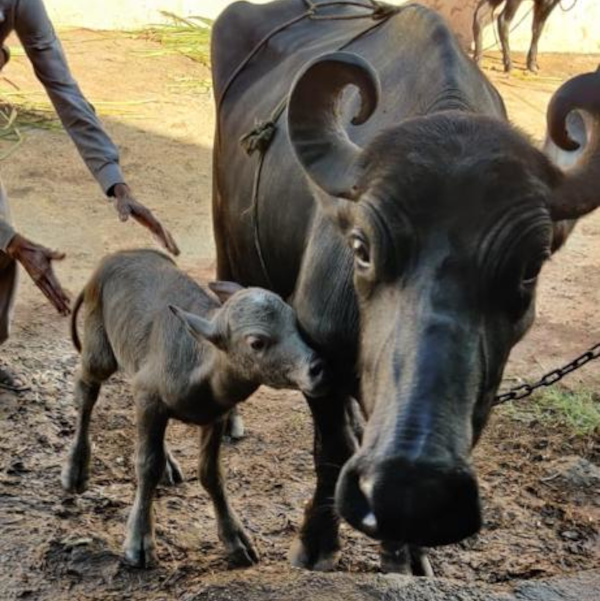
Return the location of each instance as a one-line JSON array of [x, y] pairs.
[[190, 358]]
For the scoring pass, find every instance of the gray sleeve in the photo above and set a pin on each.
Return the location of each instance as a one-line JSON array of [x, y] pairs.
[[6, 234], [77, 115]]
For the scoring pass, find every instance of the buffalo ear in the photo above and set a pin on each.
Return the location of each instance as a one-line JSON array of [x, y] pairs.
[[224, 290], [199, 327]]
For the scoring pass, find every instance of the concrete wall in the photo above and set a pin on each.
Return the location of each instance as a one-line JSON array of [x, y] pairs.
[[577, 30]]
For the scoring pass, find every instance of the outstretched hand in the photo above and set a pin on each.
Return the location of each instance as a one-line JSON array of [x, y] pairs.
[[127, 206], [37, 262]]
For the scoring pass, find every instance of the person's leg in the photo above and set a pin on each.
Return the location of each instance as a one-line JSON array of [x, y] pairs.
[[8, 289]]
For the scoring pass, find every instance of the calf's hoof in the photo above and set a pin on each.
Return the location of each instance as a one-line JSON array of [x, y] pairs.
[[317, 560], [140, 552], [172, 475], [240, 551], [74, 477]]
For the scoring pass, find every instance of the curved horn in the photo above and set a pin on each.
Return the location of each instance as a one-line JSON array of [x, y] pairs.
[[579, 193], [319, 139]]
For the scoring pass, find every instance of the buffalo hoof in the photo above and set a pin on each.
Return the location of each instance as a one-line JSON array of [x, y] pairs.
[[319, 561], [398, 558], [240, 551], [140, 551], [172, 475], [74, 476]]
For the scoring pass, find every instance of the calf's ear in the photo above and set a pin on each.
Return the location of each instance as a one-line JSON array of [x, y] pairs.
[[224, 290], [198, 327]]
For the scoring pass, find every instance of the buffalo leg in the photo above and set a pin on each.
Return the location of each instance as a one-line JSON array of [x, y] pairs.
[[318, 544], [151, 460], [75, 473], [240, 551], [504, 21], [541, 13]]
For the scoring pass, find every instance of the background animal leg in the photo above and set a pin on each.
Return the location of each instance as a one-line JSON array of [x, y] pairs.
[[398, 558], [541, 12], [504, 20], [318, 544], [240, 551], [477, 31], [172, 475]]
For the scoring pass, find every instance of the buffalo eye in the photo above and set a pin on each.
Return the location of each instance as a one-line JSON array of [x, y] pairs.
[[532, 271], [257, 343], [361, 250]]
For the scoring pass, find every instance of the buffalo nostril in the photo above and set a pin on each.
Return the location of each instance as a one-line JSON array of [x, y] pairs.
[[316, 368]]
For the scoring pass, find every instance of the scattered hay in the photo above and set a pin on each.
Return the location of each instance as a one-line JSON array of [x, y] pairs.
[[187, 36]]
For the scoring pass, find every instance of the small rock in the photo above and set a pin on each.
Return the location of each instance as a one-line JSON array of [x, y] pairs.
[[575, 470], [570, 535]]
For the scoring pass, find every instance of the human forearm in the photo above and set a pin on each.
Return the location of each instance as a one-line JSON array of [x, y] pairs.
[[7, 233]]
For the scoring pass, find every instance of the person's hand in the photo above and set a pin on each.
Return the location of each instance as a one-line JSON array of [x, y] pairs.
[[4, 56], [37, 262], [127, 206]]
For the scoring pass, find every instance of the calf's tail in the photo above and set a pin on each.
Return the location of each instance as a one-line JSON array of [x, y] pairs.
[[74, 333]]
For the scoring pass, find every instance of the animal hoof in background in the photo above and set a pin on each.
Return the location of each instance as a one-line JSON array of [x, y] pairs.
[[173, 474], [398, 558], [301, 557], [140, 552], [241, 552], [395, 559], [235, 427], [74, 477]]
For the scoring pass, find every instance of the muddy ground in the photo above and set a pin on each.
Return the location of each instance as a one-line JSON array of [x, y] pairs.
[[539, 523]]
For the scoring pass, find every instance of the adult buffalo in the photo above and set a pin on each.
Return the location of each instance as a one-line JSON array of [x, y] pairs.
[[407, 221]]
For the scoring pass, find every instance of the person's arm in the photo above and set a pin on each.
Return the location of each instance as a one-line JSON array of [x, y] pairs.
[[7, 233], [37, 262], [78, 116]]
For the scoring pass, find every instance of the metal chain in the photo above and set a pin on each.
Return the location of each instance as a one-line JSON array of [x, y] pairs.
[[525, 390]]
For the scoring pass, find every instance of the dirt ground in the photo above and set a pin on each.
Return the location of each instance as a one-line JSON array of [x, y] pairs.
[[55, 546]]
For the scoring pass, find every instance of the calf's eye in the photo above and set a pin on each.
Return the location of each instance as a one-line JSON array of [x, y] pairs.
[[257, 343], [361, 250]]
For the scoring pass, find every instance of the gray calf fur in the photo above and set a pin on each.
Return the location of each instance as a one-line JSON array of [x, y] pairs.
[[249, 340]]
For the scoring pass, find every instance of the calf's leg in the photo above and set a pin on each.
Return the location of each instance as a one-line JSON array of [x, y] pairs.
[[76, 471], [318, 544], [240, 551], [98, 363], [152, 422]]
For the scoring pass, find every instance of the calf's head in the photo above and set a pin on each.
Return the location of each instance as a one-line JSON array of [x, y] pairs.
[[257, 334], [450, 218]]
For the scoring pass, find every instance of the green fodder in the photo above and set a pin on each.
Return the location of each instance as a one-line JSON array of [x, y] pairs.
[[578, 410], [187, 36]]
